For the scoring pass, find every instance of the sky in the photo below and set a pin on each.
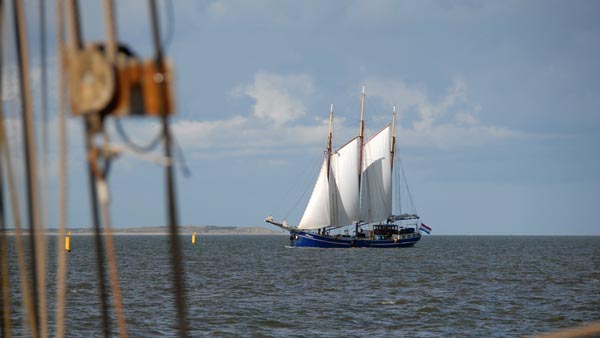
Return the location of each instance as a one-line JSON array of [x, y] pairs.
[[498, 109]]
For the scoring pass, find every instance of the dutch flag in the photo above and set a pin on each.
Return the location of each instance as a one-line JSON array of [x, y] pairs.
[[425, 228]]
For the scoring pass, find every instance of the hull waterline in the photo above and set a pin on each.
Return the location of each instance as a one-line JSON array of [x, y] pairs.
[[310, 240]]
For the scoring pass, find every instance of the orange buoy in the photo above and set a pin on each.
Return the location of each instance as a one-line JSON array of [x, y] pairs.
[[68, 242]]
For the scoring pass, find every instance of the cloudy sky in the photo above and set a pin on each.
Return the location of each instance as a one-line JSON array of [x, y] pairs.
[[498, 103]]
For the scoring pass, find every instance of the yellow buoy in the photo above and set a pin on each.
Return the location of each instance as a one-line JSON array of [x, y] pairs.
[[194, 238], [68, 242]]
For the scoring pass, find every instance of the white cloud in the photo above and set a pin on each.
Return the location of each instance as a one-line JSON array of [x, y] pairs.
[[235, 136], [219, 9], [273, 126], [377, 13], [241, 135], [10, 79], [279, 98], [271, 14], [448, 122], [47, 165], [10, 88]]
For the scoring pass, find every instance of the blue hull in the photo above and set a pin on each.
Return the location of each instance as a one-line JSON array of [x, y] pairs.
[[309, 240]]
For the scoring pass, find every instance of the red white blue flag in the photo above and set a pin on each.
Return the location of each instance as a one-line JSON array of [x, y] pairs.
[[425, 228]]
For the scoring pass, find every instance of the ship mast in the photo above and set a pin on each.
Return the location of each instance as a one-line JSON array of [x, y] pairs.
[[361, 131], [329, 137], [393, 145], [361, 141]]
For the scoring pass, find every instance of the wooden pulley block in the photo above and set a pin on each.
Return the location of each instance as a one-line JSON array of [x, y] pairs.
[[91, 81], [143, 88]]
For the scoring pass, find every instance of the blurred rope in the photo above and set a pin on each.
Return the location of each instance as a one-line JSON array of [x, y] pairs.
[[26, 290], [41, 251], [62, 179], [4, 272], [103, 198]]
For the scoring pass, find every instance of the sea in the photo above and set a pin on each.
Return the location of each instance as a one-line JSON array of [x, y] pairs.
[[259, 286]]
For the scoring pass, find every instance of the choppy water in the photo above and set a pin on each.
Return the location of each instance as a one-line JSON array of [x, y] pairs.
[[464, 286]]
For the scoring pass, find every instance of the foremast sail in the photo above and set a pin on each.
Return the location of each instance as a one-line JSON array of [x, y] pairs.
[[317, 212], [335, 197]]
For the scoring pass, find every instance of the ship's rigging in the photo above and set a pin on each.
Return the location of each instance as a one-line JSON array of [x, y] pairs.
[[97, 81]]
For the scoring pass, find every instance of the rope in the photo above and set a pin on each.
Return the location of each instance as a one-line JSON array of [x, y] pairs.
[[103, 200], [41, 251], [37, 252], [44, 108], [306, 170], [168, 38], [111, 31], [306, 183], [26, 291], [62, 178], [142, 150], [112, 262], [134, 146], [73, 23], [412, 202], [176, 256], [180, 156], [398, 192], [4, 272], [97, 233]]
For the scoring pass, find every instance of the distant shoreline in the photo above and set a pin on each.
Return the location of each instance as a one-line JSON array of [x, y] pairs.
[[201, 230], [212, 230], [216, 230]]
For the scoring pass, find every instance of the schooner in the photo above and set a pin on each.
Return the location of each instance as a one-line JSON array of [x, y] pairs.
[[354, 191]]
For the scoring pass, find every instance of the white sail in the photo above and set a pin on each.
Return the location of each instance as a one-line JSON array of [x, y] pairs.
[[317, 211], [344, 191], [376, 195]]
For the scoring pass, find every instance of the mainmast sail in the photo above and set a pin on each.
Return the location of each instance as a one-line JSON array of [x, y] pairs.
[[344, 187], [376, 197]]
